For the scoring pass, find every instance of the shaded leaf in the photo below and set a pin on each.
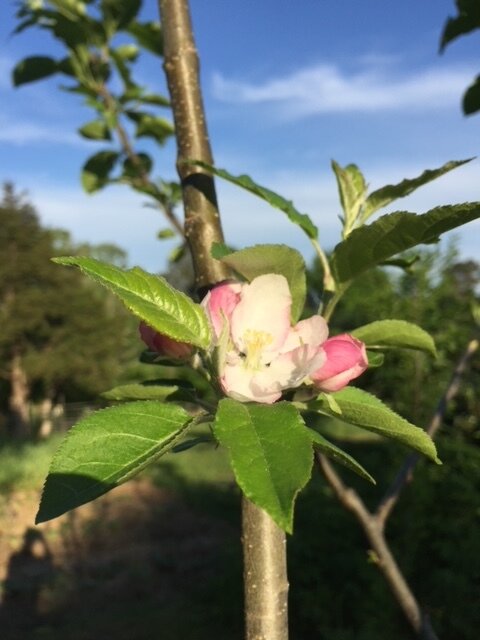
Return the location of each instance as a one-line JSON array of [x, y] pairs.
[[382, 197], [467, 20], [272, 258], [120, 13], [33, 68], [271, 453], [138, 166], [471, 99], [107, 448], [96, 171], [159, 390], [335, 453], [275, 200], [396, 232], [151, 298], [364, 410], [395, 333], [148, 36], [375, 359]]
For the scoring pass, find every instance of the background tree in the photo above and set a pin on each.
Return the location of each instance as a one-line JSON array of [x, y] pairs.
[[52, 344]]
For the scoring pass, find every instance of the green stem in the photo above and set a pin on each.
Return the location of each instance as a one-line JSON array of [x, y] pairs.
[[328, 279]]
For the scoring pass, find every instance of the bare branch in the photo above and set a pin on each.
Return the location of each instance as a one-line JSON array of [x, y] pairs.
[[405, 474]]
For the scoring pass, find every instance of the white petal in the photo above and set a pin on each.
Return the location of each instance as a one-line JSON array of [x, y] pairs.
[[239, 384], [312, 331], [264, 309]]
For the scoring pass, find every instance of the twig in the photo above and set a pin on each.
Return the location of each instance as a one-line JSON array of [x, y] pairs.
[[405, 474], [373, 524]]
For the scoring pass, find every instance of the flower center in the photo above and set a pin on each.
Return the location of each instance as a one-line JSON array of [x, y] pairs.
[[255, 342]]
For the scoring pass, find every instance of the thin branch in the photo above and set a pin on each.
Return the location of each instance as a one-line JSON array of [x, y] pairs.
[[405, 474], [386, 562], [129, 151], [373, 524]]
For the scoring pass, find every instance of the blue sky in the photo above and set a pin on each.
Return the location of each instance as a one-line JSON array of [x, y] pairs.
[[288, 86]]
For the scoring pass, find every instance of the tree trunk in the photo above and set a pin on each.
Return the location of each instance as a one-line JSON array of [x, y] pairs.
[[266, 584], [18, 400]]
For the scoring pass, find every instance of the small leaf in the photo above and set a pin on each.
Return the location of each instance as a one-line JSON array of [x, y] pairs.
[[375, 359], [96, 171], [383, 197], [366, 411], [220, 250], [148, 35], [120, 13], [152, 390], [471, 99], [273, 199], [150, 298], [95, 130], [166, 234], [271, 453], [335, 453], [151, 126], [351, 188], [138, 166], [32, 69], [395, 333], [272, 258], [107, 448], [396, 232], [467, 20]]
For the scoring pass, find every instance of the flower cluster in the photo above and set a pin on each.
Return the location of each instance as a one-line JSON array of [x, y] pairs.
[[259, 353]]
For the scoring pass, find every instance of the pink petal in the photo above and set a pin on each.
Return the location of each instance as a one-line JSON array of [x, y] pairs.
[[346, 360], [312, 331], [220, 302]]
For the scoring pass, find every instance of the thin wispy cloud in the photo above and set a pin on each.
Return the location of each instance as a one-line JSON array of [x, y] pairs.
[[328, 88]]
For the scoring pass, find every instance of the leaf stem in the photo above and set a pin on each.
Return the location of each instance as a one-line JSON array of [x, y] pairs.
[[328, 279]]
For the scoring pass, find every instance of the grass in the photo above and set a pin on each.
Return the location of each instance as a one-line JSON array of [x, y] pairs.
[[24, 466]]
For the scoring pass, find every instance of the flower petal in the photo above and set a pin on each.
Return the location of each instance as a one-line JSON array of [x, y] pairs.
[[312, 331], [263, 311], [219, 304]]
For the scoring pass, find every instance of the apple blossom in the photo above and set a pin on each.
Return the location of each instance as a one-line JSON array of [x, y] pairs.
[[346, 359], [261, 353], [163, 344]]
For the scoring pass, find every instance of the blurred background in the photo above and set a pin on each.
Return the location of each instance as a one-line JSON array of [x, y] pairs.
[[286, 89]]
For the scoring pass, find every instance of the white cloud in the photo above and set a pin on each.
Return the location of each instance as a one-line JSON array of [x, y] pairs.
[[327, 88], [24, 132]]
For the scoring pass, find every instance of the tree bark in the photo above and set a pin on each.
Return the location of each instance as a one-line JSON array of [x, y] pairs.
[[265, 575], [202, 220], [264, 548], [18, 400]]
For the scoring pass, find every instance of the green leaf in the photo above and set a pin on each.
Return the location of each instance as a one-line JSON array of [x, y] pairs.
[[471, 99], [95, 130], [396, 232], [220, 250], [107, 448], [166, 234], [339, 430], [140, 166], [151, 126], [128, 52], [33, 68], [272, 258], [375, 359], [155, 99], [273, 199], [271, 453], [335, 453], [96, 171], [150, 298], [121, 13], [351, 188], [148, 36], [395, 333], [467, 20], [382, 197], [364, 410], [152, 390]]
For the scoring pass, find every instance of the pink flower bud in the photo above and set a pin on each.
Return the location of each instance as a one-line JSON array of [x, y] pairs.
[[220, 302], [164, 345], [346, 360]]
